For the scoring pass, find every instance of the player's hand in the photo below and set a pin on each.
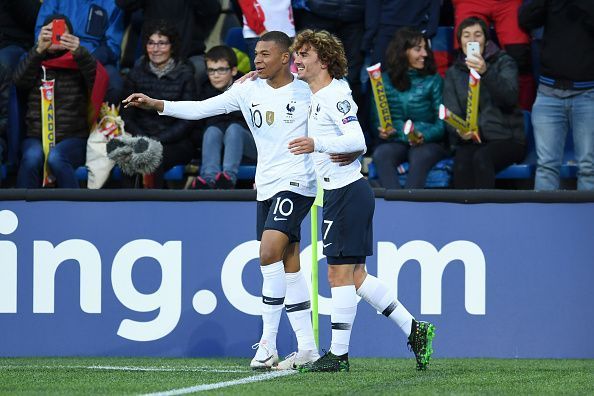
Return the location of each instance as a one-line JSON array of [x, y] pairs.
[[44, 40], [70, 42], [143, 102], [250, 75], [385, 133], [476, 62], [301, 145], [343, 159]]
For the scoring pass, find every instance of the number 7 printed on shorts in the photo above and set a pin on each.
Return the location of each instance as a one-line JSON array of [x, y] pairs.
[[329, 222]]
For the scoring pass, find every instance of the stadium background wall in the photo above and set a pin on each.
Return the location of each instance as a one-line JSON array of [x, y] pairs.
[[175, 273]]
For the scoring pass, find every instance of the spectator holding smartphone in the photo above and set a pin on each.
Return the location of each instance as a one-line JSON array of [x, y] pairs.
[[100, 27], [500, 120], [76, 82]]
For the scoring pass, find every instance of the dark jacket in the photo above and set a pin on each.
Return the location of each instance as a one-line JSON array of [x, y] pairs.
[[4, 81], [567, 51], [223, 120], [500, 117], [194, 19], [394, 14], [17, 22], [72, 91], [339, 10], [4, 91], [178, 84], [420, 104]]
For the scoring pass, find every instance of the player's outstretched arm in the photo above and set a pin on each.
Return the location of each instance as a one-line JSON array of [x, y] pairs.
[[144, 102]]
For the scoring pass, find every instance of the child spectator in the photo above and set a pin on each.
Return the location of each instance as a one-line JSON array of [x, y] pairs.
[[226, 133]]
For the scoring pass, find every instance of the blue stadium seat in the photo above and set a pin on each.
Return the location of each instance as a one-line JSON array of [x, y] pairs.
[[3, 171], [439, 176], [246, 172], [527, 168]]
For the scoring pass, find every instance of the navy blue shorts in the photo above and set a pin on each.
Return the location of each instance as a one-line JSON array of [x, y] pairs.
[[283, 212], [347, 230]]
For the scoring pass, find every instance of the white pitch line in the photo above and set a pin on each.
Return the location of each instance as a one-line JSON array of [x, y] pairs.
[[205, 387], [127, 368]]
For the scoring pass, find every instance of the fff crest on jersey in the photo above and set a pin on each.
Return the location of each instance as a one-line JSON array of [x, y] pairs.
[[290, 116], [344, 106], [270, 117], [290, 107]]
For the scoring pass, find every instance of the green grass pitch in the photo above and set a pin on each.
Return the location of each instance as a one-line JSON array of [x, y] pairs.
[[112, 376]]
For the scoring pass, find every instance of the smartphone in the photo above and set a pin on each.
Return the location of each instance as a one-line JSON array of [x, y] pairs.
[[58, 29], [473, 49]]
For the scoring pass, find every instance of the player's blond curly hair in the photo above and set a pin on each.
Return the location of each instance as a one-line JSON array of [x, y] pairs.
[[329, 48]]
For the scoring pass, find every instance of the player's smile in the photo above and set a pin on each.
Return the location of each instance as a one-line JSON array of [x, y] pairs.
[[307, 63]]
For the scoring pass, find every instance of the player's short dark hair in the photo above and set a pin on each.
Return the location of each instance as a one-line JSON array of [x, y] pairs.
[[222, 52], [280, 38], [471, 21]]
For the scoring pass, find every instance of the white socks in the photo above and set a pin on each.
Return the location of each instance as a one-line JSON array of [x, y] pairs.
[[378, 296], [298, 305], [274, 288], [344, 309]]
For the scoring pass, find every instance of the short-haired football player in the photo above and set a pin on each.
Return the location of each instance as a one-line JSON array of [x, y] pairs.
[[275, 107]]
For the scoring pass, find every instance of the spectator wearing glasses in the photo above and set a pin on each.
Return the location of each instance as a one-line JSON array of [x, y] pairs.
[[225, 134], [162, 72]]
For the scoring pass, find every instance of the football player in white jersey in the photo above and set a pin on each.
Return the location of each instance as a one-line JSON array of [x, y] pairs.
[[349, 203], [275, 107]]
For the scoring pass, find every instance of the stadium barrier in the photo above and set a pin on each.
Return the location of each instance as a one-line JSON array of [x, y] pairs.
[[175, 273]]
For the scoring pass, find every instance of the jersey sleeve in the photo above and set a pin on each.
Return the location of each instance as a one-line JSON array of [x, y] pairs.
[[224, 103], [343, 113]]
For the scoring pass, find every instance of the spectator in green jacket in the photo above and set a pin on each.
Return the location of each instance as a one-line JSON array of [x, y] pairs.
[[413, 90]]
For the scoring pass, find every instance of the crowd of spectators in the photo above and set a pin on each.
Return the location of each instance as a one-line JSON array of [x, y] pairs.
[[174, 63]]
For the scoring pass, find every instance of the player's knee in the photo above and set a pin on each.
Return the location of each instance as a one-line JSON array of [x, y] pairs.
[[270, 254], [359, 275], [339, 276]]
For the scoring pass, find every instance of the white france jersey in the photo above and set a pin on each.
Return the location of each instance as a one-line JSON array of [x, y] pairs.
[[275, 117], [334, 127]]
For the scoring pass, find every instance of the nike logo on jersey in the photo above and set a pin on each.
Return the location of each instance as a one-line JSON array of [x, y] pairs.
[[327, 244], [279, 219], [255, 104]]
